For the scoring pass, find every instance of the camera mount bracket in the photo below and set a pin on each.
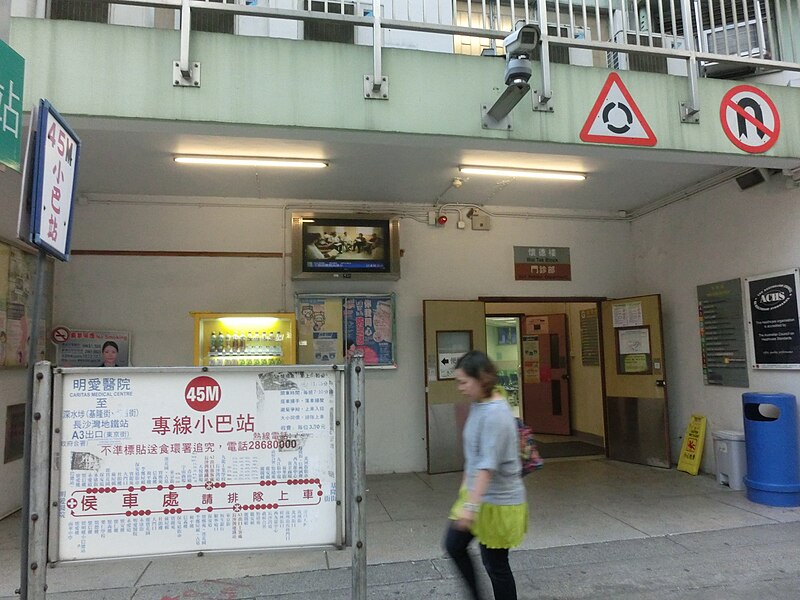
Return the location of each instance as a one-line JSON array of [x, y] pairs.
[[497, 116]]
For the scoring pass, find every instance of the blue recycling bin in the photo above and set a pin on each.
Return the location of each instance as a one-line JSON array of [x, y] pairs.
[[773, 459]]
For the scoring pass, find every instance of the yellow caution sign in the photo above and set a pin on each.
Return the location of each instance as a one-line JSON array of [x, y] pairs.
[[692, 449]]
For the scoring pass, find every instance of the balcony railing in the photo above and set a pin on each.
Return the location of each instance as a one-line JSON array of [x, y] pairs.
[[692, 38]]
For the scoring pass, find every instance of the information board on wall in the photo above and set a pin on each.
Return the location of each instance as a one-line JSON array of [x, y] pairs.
[[774, 319], [722, 337], [330, 327], [590, 338], [17, 281], [162, 461]]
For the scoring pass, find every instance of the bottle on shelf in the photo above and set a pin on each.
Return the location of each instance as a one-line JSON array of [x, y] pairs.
[[212, 346]]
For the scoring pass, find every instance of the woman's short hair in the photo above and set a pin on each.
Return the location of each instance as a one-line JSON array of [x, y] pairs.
[[477, 365], [112, 344]]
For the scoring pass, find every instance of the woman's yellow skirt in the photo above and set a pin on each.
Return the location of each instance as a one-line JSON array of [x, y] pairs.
[[496, 526]]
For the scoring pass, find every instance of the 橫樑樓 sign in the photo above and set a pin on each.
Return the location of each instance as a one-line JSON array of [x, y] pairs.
[[546, 263]]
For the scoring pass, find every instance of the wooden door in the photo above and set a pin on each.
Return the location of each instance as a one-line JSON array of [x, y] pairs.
[[637, 419], [452, 328], [545, 375]]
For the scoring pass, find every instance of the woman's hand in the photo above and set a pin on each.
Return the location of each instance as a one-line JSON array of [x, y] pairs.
[[466, 517], [465, 520]]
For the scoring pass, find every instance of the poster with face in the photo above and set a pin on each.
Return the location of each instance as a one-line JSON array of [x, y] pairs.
[[92, 347]]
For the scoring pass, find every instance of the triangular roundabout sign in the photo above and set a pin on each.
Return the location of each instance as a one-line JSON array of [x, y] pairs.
[[616, 119]]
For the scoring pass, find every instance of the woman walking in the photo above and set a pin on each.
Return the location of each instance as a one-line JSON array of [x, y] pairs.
[[491, 505]]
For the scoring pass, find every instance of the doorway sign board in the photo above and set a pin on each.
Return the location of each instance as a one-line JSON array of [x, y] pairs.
[[542, 263], [12, 78], [637, 411], [774, 319], [750, 119], [692, 448], [615, 118]]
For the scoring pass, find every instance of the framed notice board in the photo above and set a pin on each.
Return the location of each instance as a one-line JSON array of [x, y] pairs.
[[330, 326], [774, 319]]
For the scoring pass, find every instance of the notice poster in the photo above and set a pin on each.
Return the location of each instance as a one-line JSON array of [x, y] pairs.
[[21, 280], [627, 314], [160, 461], [368, 326], [531, 366], [331, 327], [91, 347], [774, 313], [319, 329], [17, 290]]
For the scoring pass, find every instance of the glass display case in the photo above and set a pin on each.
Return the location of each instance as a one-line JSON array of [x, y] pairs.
[[244, 339]]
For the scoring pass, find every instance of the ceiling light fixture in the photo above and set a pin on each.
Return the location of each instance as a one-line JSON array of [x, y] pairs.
[[527, 173], [250, 161]]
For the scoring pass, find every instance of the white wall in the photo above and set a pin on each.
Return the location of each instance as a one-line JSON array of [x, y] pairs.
[[152, 297], [718, 235]]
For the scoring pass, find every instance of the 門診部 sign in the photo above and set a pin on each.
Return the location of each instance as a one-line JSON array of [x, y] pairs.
[[543, 263], [176, 460]]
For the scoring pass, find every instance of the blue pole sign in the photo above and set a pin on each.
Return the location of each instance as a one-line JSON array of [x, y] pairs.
[[55, 179]]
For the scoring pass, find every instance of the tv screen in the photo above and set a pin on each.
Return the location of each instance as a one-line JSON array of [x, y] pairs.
[[344, 246]]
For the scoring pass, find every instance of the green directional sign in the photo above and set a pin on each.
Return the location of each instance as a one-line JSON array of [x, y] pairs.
[[12, 78]]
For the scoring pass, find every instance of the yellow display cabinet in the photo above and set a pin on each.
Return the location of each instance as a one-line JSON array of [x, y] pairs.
[[244, 339]]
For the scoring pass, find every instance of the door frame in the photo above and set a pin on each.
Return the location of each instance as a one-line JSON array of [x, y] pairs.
[[597, 301], [518, 317]]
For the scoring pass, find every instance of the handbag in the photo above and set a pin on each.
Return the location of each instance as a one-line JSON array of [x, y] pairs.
[[528, 451]]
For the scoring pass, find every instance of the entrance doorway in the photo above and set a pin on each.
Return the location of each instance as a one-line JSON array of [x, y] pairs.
[[560, 379], [598, 368]]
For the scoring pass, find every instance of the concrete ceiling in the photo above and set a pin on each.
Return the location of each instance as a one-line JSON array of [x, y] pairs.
[[134, 157]]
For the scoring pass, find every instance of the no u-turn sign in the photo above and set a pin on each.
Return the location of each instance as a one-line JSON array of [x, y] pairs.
[[750, 119]]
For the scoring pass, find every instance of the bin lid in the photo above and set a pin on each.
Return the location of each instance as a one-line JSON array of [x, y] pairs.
[[728, 435]]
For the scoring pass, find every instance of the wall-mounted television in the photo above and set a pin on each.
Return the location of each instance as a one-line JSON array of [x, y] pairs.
[[346, 246]]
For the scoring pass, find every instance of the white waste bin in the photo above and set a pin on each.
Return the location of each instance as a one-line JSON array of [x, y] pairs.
[[731, 456]]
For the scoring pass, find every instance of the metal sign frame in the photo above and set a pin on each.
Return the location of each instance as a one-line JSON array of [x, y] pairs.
[[59, 431]]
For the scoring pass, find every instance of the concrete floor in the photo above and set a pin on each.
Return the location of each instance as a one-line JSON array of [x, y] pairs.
[[579, 508]]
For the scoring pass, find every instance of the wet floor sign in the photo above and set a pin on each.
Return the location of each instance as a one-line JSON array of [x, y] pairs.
[[692, 449]]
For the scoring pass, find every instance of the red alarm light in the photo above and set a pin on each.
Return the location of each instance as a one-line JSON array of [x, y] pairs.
[[441, 220]]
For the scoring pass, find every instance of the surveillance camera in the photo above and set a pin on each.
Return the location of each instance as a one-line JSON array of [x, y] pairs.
[[522, 42], [518, 71]]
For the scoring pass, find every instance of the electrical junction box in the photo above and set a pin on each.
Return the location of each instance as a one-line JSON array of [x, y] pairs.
[[480, 220]]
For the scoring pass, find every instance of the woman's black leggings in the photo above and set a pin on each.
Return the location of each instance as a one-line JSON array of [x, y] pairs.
[[495, 560]]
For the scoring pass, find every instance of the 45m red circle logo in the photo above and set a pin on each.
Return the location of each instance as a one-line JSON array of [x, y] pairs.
[[203, 393]]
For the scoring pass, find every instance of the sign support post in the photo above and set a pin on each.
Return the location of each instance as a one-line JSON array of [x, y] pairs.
[[33, 515], [358, 468], [35, 510]]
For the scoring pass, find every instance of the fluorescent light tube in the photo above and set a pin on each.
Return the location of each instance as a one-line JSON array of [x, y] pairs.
[[527, 173], [250, 161]]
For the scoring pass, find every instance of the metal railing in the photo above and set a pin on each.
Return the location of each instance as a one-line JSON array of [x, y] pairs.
[[692, 38]]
